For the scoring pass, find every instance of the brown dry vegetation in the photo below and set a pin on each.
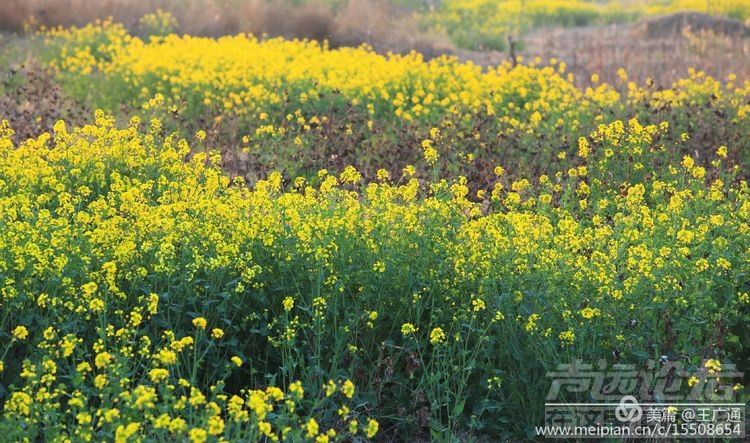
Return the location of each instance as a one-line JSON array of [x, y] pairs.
[[661, 49], [32, 101]]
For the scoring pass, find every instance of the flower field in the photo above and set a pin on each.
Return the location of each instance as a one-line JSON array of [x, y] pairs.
[[297, 106], [269, 240]]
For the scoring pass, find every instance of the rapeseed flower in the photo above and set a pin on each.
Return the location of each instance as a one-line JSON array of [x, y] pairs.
[[408, 328], [347, 388], [20, 333], [311, 428], [437, 336], [372, 428]]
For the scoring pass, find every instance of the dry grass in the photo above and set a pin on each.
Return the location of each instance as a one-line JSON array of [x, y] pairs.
[[32, 102], [675, 24], [644, 53], [646, 50]]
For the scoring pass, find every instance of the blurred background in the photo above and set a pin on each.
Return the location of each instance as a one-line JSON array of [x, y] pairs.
[[653, 39]]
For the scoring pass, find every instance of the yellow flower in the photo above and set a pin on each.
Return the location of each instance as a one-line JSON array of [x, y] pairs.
[[19, 402], [217, 333], [589, 313], [330, 388], [408, 328], [103, 359], [96, 305], [20, 333], [296, 390], [583, 147], [110, 415], [166, 356], [430, 153], [196, 397], [198, 435], [622, 74], [347, 388], [688, 162], [153, 304], [123, 433], [177, 425], [701, 265], [478, 304], [312, 428], [722, 152], [383, 175], [215, 425], [109, 267], [89, 288], [100, 381], [288, 304], [162, 421], [158, 374], [135, 319], [264, 427], [274, 393], [531, 324], [199, 323], [713, 365], [437, 336], [372, 428], [568, 336], [237, 361], [350, 175], [343, 411]]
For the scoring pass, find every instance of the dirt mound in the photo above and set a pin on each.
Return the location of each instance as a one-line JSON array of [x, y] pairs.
[[675, 25]]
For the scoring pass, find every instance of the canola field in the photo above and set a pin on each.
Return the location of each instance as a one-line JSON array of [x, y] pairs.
[[269, 240]]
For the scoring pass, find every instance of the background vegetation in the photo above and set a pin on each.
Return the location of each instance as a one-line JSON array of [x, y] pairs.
[[259, 238]]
